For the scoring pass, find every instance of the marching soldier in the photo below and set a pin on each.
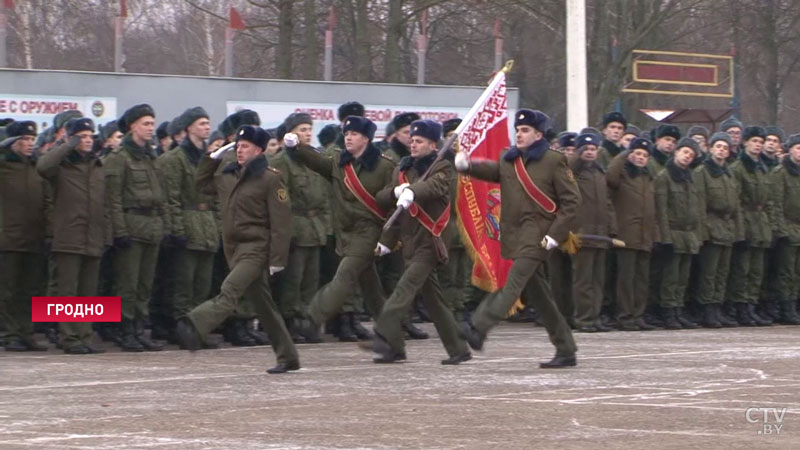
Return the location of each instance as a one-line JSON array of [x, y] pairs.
[[721, 227], [540, 199], [747, 260], [81, 227], [785, 218], [309, 193], [390, 267], [357, 175], [136, 200], [632, 193], [22, 230], [428, 205], [255, 214], [595, 216], [678, 213]]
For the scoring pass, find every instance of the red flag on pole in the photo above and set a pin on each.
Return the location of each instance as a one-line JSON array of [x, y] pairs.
[[123, 8], [236, 21], [483, 133], [9, 4]]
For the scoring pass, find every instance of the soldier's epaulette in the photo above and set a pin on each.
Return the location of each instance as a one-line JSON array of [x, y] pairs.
[[274, 170], [388, 158]]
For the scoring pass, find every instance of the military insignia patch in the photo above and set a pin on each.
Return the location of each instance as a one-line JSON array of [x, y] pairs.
[[282, 194], [571, 176]]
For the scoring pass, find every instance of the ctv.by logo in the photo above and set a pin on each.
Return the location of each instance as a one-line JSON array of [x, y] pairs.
[[770, 418]]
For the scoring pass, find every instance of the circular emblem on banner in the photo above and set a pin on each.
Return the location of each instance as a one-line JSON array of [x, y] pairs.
[[98, 108]]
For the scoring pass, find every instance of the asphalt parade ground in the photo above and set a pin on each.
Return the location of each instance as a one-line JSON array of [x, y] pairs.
[[688, 389]]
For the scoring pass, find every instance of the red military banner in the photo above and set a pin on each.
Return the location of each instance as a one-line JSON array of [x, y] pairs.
[[483, 134]]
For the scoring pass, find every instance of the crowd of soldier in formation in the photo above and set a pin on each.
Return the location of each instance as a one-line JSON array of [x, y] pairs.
[[261, 237]]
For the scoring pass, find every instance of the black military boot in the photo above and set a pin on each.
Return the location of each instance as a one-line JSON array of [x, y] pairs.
[[788, 315], [187, 336], [237, 335], [710, 319], [384, 353], [413, 332], [259, 336], [141, 336], [722, 318], [743, 316], [474, 338], [772, 308], [759, 321], [685, 322], [560, 362], [360, 331], [127, 341], [671, 321], [51, 333], [310, 331], [346, 333], [295, 330]]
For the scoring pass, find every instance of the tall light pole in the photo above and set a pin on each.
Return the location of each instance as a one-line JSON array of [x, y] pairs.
[[577, 85]]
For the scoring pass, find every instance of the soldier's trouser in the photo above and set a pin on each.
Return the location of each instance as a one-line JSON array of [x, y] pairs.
[[746, 274], [588, 275], [192, 280], [77, 276], [134, 268], [454, 277], [771, 287], [787, 259], [419, 275], [52, 274], [20, 279], [523, 273], [559, 268], [300, 281], [674, 279], [714, 264], [105, 285], [353, 271], [633, 271], [162, 298], [659, 259], [610, 286], [247, 278]]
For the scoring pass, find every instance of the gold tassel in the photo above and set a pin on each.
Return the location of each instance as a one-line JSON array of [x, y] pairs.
[[572, 244], [517, 306]]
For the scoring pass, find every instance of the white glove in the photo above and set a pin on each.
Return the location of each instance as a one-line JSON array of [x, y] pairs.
[[290, 140], [381, 250], [462, 162], [399, 189], [217, 154], [549, 243], [406, 199], [275, 269]]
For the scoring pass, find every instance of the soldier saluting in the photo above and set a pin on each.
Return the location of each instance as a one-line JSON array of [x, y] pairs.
[[540, 200], [255, 235]]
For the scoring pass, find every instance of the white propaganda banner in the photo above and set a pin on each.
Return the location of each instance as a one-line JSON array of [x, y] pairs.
[[273, 113], [42, 108]]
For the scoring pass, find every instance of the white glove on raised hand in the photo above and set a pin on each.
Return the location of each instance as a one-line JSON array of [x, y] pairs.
[[399, 189], [381, 250], [290, 140], [406, 199], [462, 162], [217, 154], [275, 269], [549, 243]]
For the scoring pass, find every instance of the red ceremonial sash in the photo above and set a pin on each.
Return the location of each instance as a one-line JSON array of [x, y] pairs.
[[417, 212], [533, 191], [354, 185]]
